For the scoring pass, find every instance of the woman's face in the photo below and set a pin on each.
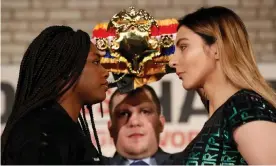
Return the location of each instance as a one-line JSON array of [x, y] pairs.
[[92, 84], [193, 59]]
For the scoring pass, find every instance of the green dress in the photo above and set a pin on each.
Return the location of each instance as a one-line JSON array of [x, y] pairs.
[[215, 145]]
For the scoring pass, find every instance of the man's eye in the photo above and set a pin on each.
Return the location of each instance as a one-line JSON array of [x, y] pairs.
[[146, 111], [124, 114]]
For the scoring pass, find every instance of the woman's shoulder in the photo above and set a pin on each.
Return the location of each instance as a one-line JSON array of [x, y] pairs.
[[40, 131], [246, 106], [44, 121], [247, 100]]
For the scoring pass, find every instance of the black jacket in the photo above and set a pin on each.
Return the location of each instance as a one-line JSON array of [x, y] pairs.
[[49, 136], [161, 157]]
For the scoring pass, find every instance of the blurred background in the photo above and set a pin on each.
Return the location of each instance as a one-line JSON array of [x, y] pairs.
[[22, 20]]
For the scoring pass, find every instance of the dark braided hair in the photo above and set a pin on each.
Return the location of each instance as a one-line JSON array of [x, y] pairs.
[[51, 65]]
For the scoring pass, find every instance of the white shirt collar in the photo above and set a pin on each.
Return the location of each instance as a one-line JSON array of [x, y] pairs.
[[147, 160]]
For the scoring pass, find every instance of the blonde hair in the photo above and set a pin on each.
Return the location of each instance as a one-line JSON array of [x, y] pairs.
[[223, 26]]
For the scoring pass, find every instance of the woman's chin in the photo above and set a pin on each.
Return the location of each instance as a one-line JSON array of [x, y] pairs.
[[187, 86], [102, 98], [99, 99]]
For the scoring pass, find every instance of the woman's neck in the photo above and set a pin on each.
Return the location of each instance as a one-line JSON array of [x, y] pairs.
[[71, 105], [218, 92]]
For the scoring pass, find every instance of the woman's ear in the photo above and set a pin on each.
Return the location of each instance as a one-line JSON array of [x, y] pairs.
[[214, 51]]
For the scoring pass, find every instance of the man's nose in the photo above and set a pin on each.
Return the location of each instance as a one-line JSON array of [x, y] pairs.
[[135, 120]]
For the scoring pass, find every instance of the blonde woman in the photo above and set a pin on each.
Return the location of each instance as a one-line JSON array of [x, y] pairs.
[[213, 53]]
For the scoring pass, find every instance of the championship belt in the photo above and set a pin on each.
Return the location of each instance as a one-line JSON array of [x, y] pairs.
[[138, 47]]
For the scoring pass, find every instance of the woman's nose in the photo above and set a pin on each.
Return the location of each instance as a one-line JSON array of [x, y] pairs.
[[105, 73], [172, 62]]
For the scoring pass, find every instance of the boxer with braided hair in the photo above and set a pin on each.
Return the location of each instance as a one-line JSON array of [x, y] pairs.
[[59, 75]]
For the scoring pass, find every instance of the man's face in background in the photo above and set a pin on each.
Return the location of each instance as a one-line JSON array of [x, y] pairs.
[[135, 124]]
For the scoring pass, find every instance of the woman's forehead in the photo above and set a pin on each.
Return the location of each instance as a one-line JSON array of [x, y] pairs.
[[184, 32], [94, 52]]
